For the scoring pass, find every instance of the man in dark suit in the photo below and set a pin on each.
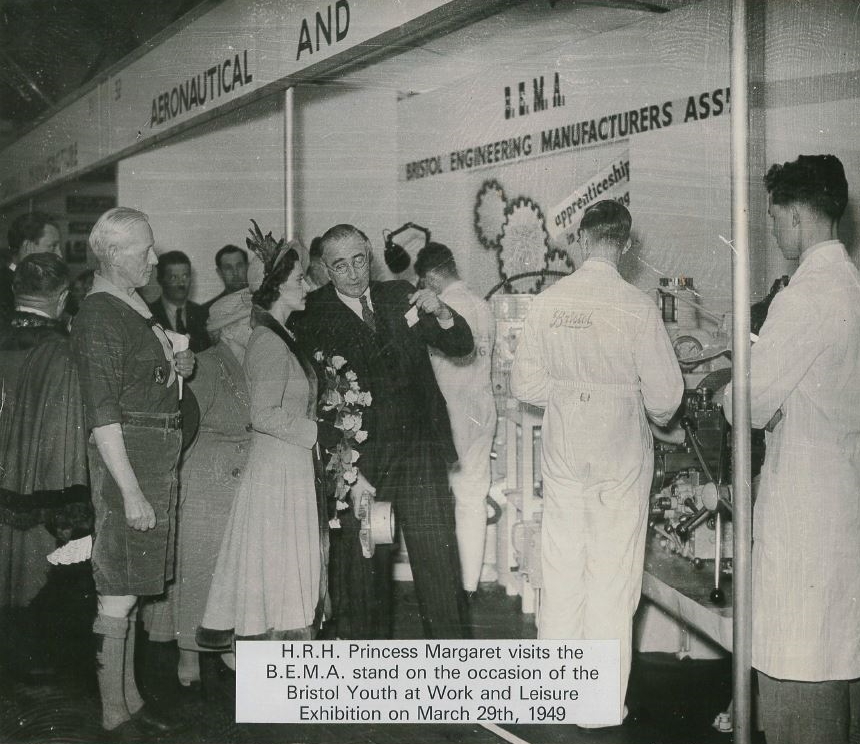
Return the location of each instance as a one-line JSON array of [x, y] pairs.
[[34, 232], [231, 263], [173, 309], [383, 330]]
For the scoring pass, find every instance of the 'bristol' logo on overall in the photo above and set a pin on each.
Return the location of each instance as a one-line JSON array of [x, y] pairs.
[[571, 319]]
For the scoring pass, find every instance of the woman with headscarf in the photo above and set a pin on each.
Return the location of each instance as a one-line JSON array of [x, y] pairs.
[[267, 577], [212, 468]]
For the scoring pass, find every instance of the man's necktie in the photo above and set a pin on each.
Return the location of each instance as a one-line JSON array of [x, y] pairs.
[[367, 315], [180, 322]]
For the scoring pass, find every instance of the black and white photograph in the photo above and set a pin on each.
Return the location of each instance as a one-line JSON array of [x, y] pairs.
[[430, 371]]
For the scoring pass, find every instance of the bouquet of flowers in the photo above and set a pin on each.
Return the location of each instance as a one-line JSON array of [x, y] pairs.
[[343, 398]]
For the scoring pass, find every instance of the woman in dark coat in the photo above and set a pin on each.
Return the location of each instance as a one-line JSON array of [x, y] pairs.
[[43, 467], [212, 468]]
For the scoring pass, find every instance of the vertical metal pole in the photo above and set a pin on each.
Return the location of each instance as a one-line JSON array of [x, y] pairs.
[[742, 503], [289, 165]]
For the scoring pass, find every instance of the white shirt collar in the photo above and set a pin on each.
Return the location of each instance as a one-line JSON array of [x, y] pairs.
[[452, 287], [170, 308], [33, 311], [354, 303], [133, 299], [817, 247]]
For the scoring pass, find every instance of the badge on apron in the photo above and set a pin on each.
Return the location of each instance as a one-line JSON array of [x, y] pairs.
[[160, 375]]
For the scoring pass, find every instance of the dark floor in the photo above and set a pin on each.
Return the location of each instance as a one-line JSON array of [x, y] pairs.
[[48, 690]]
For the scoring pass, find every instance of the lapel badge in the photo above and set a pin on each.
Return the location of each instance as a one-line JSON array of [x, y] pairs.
[[160, 376]]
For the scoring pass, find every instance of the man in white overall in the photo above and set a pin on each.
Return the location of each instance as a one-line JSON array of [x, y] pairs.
[[468, 389], [805, 380], [594, 353]]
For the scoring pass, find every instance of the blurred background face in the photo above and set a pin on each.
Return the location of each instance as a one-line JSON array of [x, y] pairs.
[[176, 283], [238, 333], [233, 270], [48, 243], [348, 265]]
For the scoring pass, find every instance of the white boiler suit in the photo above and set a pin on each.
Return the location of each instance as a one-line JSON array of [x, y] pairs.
[[594, 353], [465, 382]]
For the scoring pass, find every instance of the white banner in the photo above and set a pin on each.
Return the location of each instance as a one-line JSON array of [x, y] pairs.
[[611, 181], [234, 49]]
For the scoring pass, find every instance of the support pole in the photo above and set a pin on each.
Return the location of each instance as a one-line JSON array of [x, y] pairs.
[[741, 466], [289, 166]]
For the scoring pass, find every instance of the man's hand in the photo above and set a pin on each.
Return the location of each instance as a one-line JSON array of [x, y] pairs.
[[429, 302], [183, 362], [139, 514], [360, 486]]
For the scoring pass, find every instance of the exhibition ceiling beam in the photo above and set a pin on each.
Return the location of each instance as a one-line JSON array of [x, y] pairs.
[[220, 57]]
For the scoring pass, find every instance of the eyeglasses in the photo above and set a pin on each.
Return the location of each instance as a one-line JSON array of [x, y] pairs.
[[358, 262]]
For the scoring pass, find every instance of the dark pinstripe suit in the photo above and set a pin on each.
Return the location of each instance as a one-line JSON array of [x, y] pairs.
[[409, 443]]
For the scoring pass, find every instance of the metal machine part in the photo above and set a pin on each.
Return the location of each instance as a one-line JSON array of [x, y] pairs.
[[690, 507]]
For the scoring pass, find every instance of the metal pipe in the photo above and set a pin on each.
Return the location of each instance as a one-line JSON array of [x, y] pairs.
[[718, 548], [289, 165], [741, 466]]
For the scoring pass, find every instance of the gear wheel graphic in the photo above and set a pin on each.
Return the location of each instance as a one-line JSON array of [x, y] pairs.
[[490, 206], [524, 242]]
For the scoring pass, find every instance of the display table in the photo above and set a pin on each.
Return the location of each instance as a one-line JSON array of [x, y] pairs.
[[671, 583]]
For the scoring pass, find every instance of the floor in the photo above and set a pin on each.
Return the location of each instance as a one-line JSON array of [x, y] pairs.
[[48, 689]]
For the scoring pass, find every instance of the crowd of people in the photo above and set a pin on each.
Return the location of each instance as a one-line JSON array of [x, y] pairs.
[[185, 444], [182, 448]]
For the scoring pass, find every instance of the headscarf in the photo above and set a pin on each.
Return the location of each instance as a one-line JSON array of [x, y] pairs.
[[230, 309]]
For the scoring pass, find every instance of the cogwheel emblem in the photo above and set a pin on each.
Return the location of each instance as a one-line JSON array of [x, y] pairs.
[[490, 208], [524, 242], [557, 262]]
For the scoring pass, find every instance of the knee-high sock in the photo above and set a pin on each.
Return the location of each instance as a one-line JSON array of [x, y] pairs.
[[133, 699], [111, 632]]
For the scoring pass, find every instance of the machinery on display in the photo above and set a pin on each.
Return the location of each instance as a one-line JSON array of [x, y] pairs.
[[690, 504]]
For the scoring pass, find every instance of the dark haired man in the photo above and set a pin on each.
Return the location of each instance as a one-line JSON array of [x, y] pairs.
[[465, 382], [34, 232], [231, 264], [173, 309], [383, 330], [805, 379], [595, 355]]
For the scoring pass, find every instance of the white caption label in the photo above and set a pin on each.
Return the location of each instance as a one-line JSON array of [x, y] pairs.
[[502, 681]]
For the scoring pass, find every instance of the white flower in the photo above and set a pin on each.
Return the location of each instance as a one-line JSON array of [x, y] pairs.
[[338, 361], [365, 399], [341, 506], [319, 356], [334, 524], [360, 436], [351, 376], [354, 387], [350, 475], [351, 397], [355, 456]]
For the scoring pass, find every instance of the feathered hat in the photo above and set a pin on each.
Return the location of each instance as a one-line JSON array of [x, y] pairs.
[[265, 252]]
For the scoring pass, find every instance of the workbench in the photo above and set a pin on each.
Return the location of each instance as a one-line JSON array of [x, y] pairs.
[[683, 592]]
